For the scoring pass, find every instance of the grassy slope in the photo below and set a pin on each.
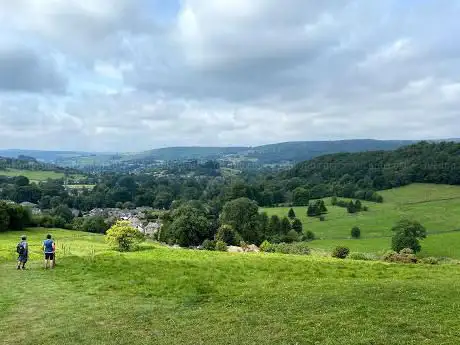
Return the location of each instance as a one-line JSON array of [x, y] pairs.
[[163, 296], [435, 206]]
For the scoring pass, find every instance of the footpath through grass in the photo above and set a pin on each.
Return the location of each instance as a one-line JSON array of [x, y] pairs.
[[172, 296]]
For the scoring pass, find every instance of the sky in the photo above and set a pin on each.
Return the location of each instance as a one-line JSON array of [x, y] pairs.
[[131, 75]]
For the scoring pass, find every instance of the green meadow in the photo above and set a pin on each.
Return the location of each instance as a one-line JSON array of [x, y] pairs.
[[173, 296], [434, 206], [33, 175]]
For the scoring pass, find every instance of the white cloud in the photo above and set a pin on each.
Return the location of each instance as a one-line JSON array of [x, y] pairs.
[[225, 72]]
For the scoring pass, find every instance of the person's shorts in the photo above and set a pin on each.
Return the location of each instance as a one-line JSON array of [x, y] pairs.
[[22, 258], [49, 256]]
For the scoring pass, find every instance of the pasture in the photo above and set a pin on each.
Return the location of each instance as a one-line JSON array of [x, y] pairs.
[[33, 175], [435, 206], [172, 296]]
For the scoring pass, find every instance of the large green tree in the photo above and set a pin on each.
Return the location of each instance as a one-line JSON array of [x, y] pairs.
[[243, 215], [406, 234], [189, 227]]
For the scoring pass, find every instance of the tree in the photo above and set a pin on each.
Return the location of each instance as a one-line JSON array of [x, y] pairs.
[[4, 217], [322, 207], [285, 226], [291, 213], [334, 200], [123, 237], [243, 215], [297, 225], [21, 181], [227, 234], [64, 212], [356, 232], [274, 226], [96, 224], [190, 226], [358, 205], [407, 234], [311, 211], [291, 236], [264, 222], [19, 217], [300, 196], [351, 207]]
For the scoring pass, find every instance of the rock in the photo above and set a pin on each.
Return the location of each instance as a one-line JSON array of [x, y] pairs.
[[234, 249], [253, 248]]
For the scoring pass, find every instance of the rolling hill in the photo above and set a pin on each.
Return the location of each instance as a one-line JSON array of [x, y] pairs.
[[435, 206], [266, 154], [171, 296]]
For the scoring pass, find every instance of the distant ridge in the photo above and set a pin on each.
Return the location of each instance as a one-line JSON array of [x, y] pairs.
[[291, 151]]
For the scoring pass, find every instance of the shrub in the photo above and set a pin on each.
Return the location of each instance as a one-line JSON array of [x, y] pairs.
[[340, 252], [365, 208], [360, 256], [406, 255], [267, 247], [209, 245], [227, 234], [292, 236], [123, 236], [298, 248], [334, 201], [430, 261], [322, 218], [221, 246], [309, 236], [356, 232], [291, 213]]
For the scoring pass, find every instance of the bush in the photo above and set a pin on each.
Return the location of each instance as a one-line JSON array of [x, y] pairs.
[[356, 232], [340, 252], [334, 201], [365, 208], [123, 236], [322, 218], [309, 236], [360, 256], [221, 246], [267, 247], [406, 255], [228, 235], [430, 261], [298, 248], [292, 236], [209, 245]]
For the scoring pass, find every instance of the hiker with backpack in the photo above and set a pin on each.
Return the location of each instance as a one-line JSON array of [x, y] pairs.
[[23, 253], [49, 249]]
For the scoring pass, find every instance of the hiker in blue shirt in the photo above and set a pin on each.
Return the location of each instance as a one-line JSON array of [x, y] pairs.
[[49, 249], [23, 253]]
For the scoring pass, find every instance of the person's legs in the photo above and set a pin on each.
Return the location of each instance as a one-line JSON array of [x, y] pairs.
[[24, 264], [46, 261], [19, 264], [52, 260]]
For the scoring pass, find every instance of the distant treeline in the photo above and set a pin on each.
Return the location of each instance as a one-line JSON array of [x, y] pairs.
[[348, 175]]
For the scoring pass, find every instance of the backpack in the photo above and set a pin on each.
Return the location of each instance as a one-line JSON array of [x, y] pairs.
[[20, 249]]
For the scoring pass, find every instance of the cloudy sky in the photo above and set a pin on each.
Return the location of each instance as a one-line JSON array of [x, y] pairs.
[[126, 75]]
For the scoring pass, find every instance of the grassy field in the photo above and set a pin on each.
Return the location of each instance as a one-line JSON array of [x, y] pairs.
[[172, 296], [32, 175], [435, 206]]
